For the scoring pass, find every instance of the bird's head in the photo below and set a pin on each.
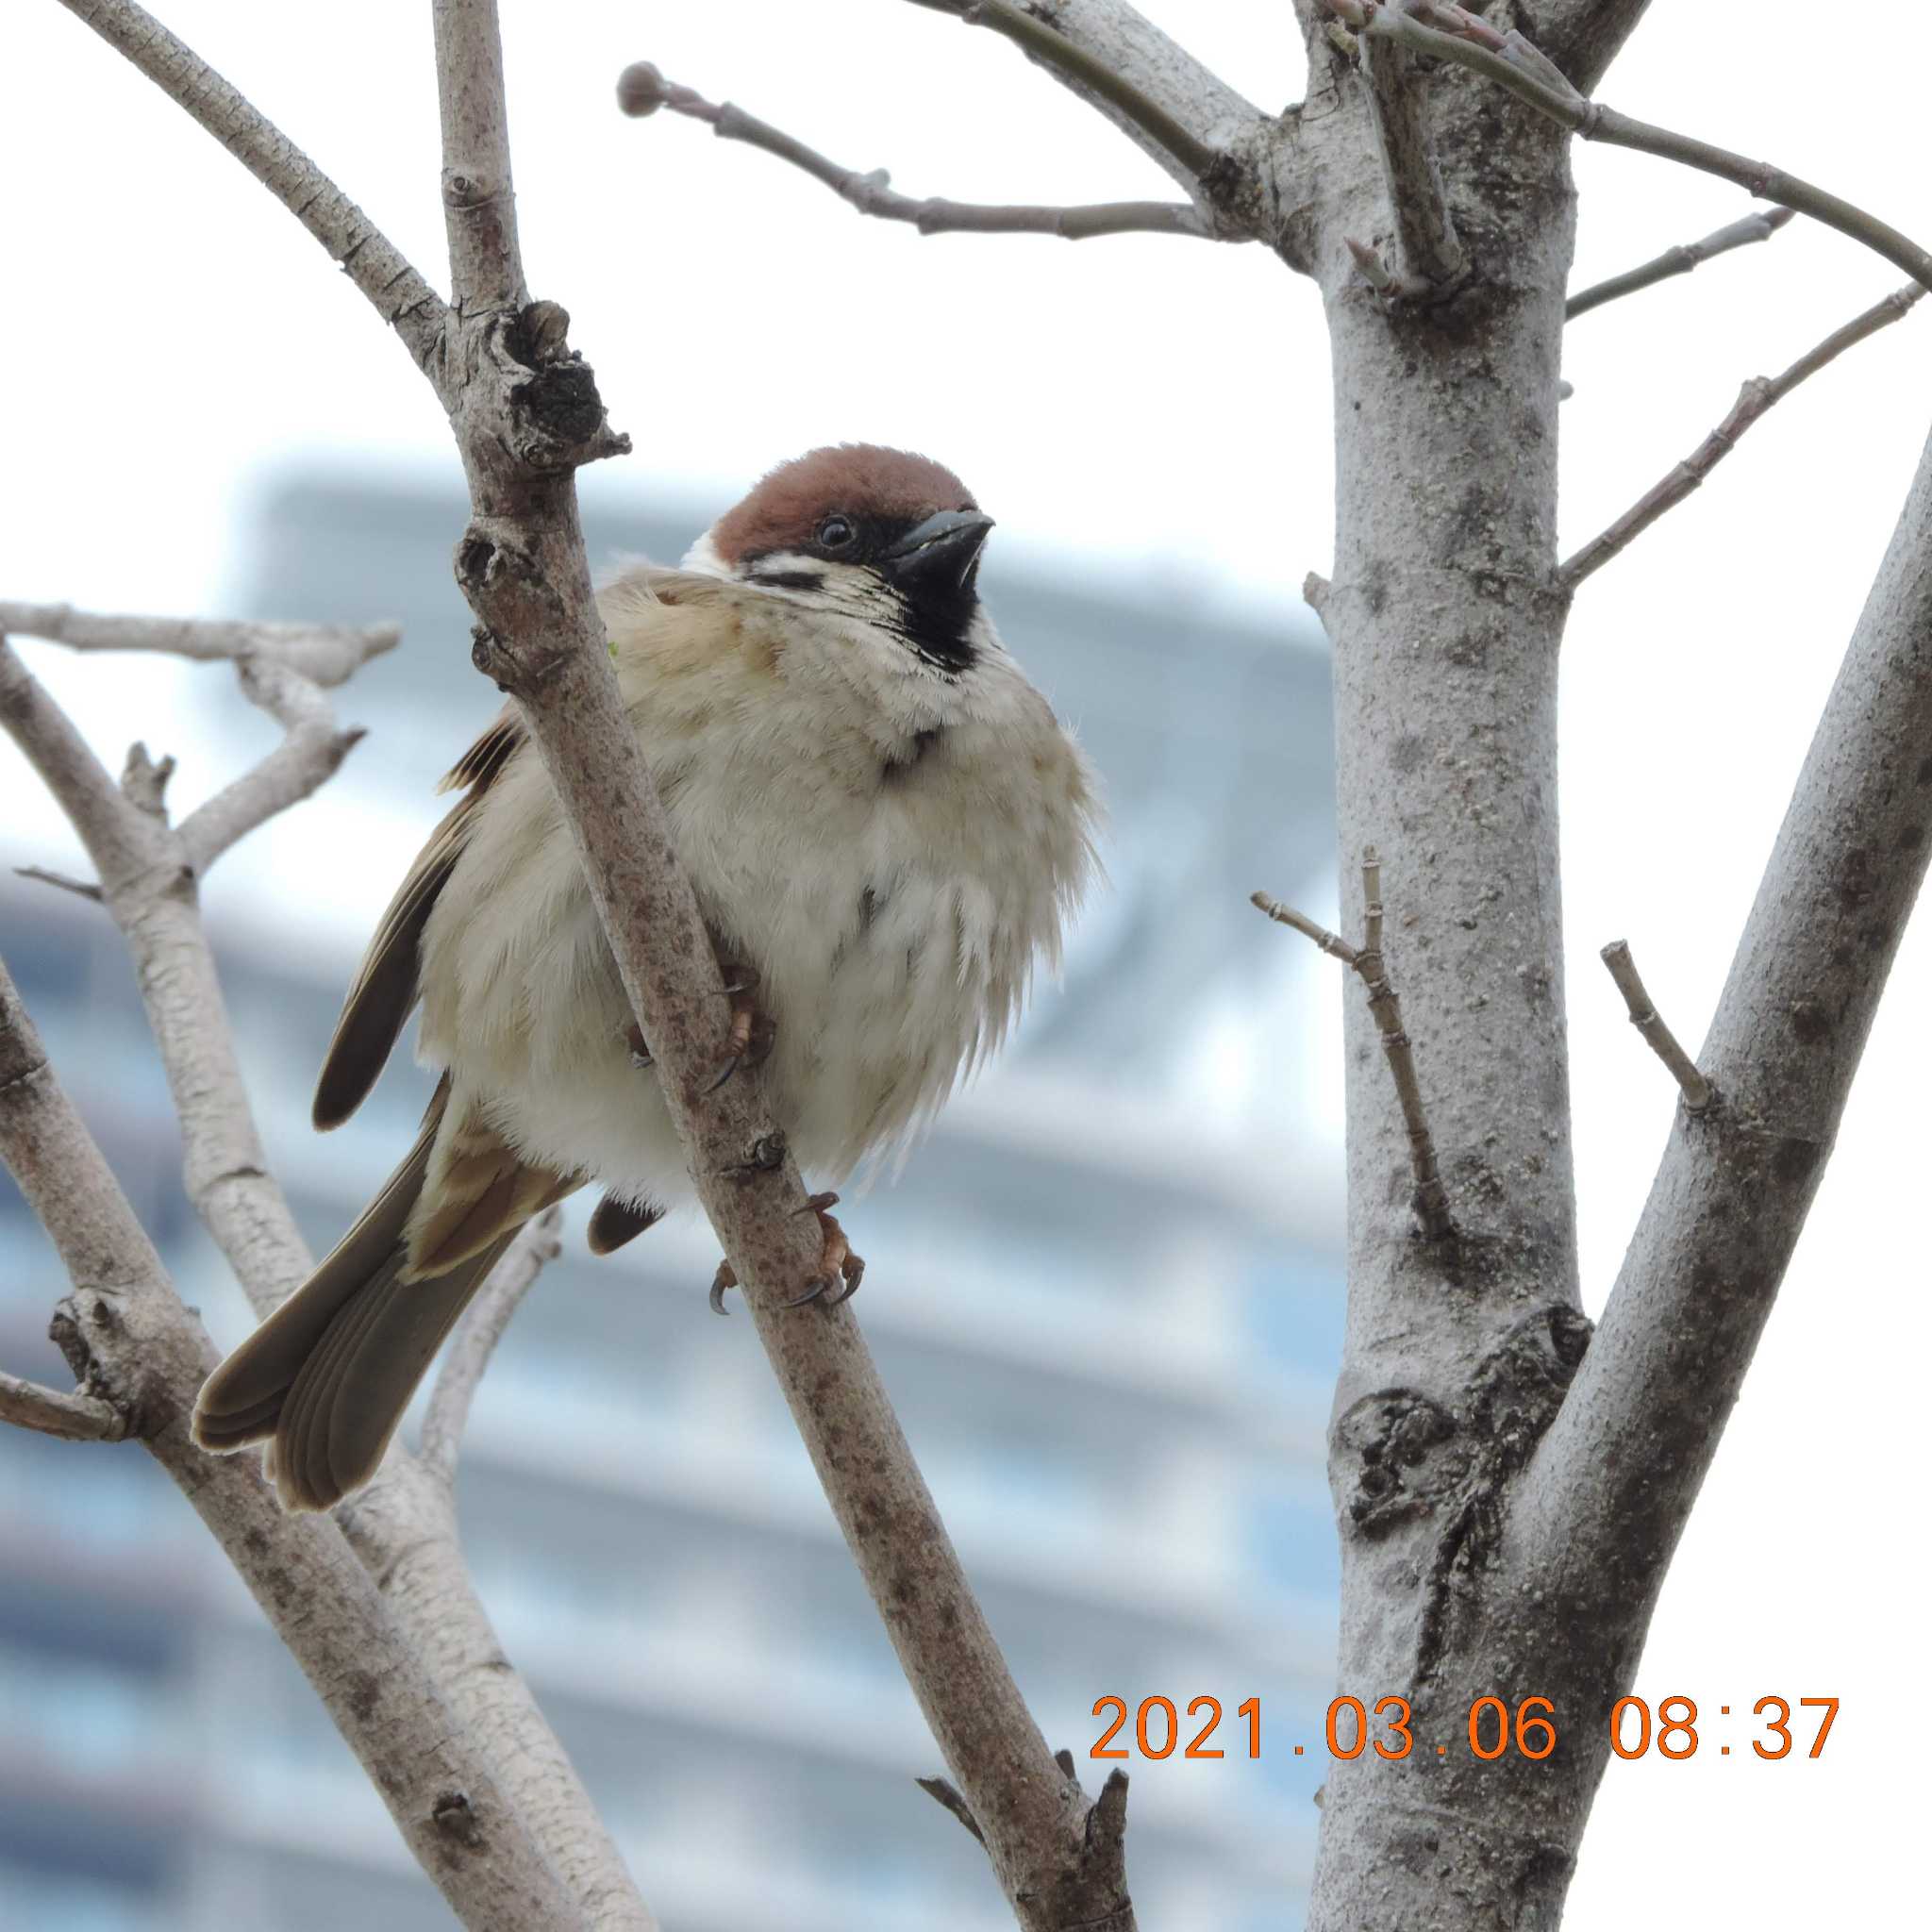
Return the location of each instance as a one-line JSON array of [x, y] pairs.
[[880, 538]]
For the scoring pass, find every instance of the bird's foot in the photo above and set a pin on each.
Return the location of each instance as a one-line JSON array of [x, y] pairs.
[[640, 1053], [837, 1276], [752, 1029], [839, 1271]]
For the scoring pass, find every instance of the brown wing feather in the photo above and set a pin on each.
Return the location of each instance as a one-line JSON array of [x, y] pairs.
[[383, 996], [476, 1191]]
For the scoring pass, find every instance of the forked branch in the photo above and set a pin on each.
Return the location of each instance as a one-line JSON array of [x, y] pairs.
[[1430, 1200], [641, 89]]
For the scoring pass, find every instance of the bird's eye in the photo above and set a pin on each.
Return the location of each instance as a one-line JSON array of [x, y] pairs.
[[835, 533]]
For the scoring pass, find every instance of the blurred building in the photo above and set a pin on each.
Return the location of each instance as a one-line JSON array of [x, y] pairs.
[[1105, 1293]]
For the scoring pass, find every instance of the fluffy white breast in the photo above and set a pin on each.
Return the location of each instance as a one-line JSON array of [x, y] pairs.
[[891, 856]]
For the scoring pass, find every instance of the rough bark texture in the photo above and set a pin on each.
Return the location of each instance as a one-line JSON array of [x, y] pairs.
[[1445, 626]]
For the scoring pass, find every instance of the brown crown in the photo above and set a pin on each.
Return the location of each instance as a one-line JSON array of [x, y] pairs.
[[861, 478]]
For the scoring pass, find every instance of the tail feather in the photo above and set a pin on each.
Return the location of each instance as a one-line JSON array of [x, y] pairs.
[[327, 1377], [347, 1398]]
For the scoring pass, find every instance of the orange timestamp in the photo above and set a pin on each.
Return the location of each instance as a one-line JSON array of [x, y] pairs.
[[1493, 1729]]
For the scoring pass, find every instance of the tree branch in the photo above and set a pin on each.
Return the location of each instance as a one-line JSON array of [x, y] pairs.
[[1760, 224], [539, 636], [402, 1529], [74, 1416], [306, 759], [325, 654], [1648, 1021], [1431, 1201], [473, 1341], [365, 255], [1614, 1479], [1451, 33], [1093, 75], [641, 89], [124, 1331], [1429, 250], [1583, 37], [1129, 61], [1758, 395]]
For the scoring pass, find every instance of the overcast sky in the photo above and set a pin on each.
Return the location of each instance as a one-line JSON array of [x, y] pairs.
[[1141, 409]]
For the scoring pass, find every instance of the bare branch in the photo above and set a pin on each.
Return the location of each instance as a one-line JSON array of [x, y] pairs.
[[540, 637], [326, 654], [75, 1416], [1583, 37], [1092, 75], [1758, 395], [1614, 1479], [1645, 1018], [125, 1332], [81, 889], [305, 759], [642, 91], [1452, 33], [476, 1337], [1431, 1199], [1217, 121], [1760, 224], [1429, 249], [366, 256]]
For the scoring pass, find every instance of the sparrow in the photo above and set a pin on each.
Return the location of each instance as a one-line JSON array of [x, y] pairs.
[[887, 830]]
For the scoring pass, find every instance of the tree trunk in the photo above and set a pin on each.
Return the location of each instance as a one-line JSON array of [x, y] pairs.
[[1446, 628]]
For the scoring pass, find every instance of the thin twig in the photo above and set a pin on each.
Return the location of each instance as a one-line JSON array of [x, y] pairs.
[[1644, 1017], [326, 654], [75, 1416], [1760, 224], [1758, 395], [1430, 1200], [1452, 33], [476, 1337], [1429, 249], [1053, 49], [641, 89], [81, 889]]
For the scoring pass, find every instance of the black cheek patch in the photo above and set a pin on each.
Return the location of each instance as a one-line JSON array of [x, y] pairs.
[[787, 580]]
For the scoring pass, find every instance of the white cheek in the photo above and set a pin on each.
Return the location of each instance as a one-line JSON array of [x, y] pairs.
[[703, 557]]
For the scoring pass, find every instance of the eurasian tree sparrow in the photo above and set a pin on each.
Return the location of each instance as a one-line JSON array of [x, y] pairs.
[[886, 827]]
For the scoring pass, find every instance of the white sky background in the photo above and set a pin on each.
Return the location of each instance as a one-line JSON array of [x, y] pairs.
[[1141, 408]]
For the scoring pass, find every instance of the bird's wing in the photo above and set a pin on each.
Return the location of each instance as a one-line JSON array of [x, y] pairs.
[[385, 990]]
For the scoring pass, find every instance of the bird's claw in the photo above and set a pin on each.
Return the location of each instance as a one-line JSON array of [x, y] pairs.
[[640, 1053], [839, 1271], [750, 1035]]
